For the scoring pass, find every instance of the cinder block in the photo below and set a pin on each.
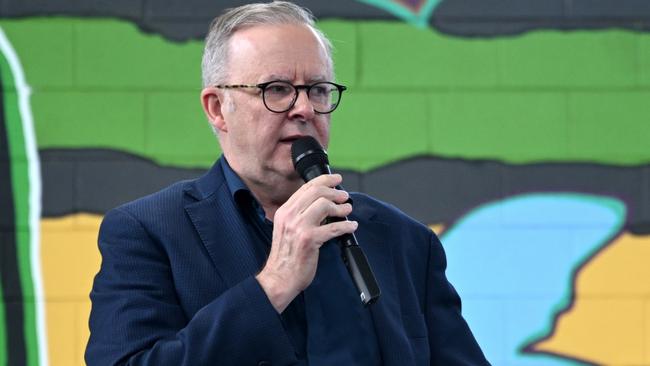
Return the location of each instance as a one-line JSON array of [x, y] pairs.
[[608, 9], [45, 49], [187, 9], [646, 356], [19, 194], [500, 9], [179, 30], [510, 126], [83, 332], [398, 55], [31, 7], [61, 318], [605, 331], [487, 320], [112, 53], [131, 9], [615, 271], [343, 36], [569, 59], [90, 119], [178, 133], [70, 259], [373, 128], [10, 261], [643, 40], [59, 186], [13, 127], [609, 127]]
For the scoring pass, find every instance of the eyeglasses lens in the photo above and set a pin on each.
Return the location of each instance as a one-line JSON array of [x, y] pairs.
[[280, 96]]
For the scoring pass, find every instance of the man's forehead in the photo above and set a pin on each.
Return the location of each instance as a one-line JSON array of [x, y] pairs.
[[287, 34], [278, 52]]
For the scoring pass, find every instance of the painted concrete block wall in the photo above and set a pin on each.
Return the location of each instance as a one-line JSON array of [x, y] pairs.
[[526, 147]]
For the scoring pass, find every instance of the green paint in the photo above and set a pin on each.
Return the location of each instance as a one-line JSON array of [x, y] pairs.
[[364, 122], [520, 125], [116, 54], [395, 56], [568, 60], [50, 57], [345, 49], [542, 96], [178, 114], [644, 60], [601, 121], [96, 118], [21, 189]]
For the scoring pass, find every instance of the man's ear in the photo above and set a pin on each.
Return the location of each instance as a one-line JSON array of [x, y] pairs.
[[212, 102]]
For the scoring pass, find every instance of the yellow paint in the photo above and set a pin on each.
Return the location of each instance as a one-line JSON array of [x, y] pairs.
[[70, 260], [609, 323], [437, 228]]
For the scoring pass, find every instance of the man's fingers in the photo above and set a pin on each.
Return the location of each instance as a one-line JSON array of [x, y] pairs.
[[332, 230], [322, 208], [309, 193]]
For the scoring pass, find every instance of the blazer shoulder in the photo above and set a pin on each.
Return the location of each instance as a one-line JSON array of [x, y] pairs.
[[166, 197], [175, 197], [382, 211]]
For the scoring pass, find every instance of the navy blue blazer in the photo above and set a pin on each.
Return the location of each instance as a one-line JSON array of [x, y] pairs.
[[177, 287]]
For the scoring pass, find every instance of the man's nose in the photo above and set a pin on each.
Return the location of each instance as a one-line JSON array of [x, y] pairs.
[[303, 106]]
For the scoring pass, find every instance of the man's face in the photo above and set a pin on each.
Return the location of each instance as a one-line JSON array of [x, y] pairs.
[[256, 141]]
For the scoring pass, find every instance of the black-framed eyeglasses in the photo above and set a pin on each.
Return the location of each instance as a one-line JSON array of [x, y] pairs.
[[280, 96]]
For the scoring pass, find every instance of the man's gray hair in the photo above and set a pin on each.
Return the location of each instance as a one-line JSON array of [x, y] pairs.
[[215, 54]]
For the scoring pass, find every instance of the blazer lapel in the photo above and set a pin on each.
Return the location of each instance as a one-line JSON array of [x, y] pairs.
[[221, 227], [386, 313]]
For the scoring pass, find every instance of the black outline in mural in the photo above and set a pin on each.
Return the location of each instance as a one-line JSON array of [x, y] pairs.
[[181, 20], [490, 18], [12, 293], [441, 190]]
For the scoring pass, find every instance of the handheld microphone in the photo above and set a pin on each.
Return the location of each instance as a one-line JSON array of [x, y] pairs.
[[310, 160]]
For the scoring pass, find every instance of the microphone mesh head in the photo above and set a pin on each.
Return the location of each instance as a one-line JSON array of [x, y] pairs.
[[306, 152]]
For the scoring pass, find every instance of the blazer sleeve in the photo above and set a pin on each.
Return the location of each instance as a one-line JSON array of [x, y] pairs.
[[451, 342], [136, 318]]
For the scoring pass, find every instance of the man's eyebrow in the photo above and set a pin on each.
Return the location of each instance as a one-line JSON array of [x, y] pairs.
[[277, 77], [317, 78], [313, 79]]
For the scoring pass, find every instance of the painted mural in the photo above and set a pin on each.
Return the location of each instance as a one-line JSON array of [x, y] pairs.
[[518, 130]]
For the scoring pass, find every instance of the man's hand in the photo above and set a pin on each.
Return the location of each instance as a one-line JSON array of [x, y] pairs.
[[298, 236]]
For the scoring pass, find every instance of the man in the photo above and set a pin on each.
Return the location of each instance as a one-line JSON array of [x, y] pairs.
[[238, 266]]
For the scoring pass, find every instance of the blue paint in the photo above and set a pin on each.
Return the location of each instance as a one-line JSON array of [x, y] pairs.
[[513, 263]]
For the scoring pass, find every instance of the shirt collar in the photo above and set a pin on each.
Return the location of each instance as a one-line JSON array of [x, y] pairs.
[[234, 183], [239, 191]]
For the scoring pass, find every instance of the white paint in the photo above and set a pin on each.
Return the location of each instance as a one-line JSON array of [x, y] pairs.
[[34, 171]]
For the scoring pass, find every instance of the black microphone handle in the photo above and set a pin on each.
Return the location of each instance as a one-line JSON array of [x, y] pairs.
[[358, 267], [352, 254]]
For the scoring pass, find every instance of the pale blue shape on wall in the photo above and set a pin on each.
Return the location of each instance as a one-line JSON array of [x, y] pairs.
[[513, 263]]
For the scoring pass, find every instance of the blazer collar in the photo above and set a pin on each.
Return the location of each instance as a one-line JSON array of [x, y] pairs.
[[207, 184], [221, 226]]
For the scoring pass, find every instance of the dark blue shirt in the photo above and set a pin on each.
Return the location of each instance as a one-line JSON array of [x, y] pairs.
[[326, 323]]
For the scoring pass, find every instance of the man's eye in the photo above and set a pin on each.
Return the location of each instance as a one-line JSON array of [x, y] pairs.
[[320, 90], [278, 89]]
